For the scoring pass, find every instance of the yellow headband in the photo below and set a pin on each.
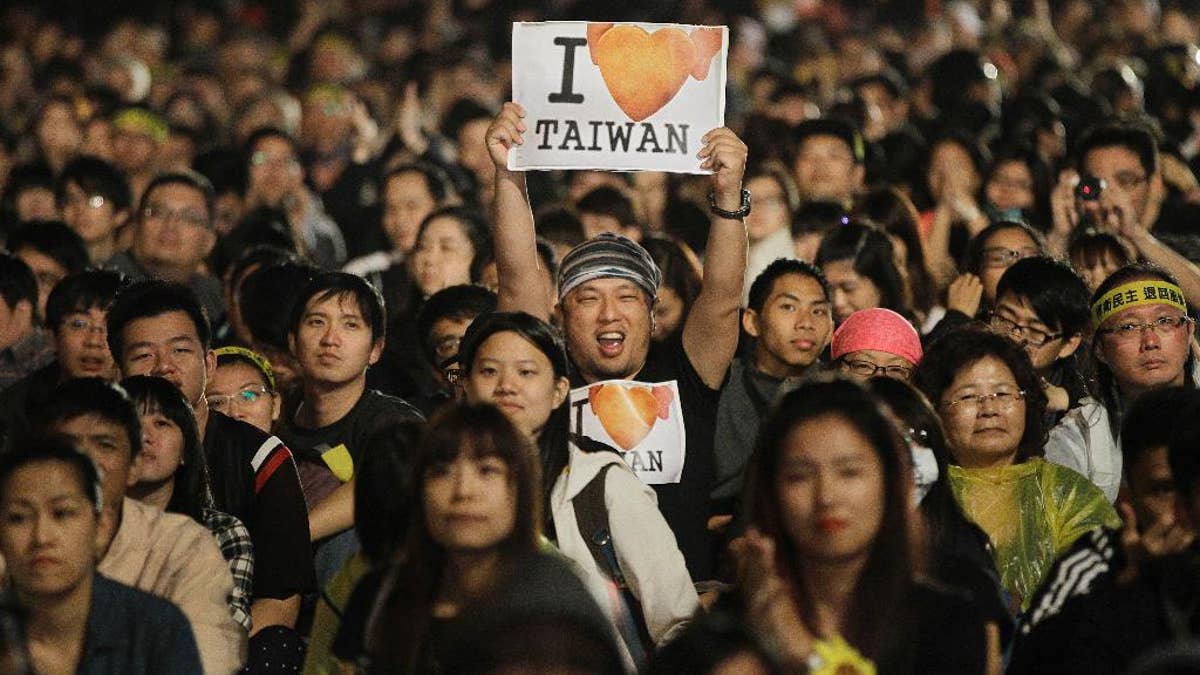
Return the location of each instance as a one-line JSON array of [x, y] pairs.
[[254, 357], [138, 121], [1137, 294]]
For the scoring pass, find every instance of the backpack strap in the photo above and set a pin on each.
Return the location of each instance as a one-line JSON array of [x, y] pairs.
[[591, 515]]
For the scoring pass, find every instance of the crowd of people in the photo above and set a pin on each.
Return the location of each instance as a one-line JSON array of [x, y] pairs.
[[297, 375]]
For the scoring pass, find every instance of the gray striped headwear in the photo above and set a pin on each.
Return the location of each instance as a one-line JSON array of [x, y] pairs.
[[608, 256]]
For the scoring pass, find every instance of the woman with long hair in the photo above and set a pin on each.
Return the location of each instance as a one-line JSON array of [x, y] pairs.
[[859, 261], [518, 363], [173, 476], [832, 558], [476, 516]]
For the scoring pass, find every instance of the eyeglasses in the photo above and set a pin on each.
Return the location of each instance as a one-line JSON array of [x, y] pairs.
[[248, 396], [452, 369], [868, 369], [260, 158], [1129, 180], [1022, 333], [1005, 400], [94, 201], [190, 217], [1162, 326], [79, 324], [999, 256], [446, 347]]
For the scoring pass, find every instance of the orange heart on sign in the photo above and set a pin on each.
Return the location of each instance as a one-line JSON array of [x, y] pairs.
[[644, 71], [708, 44], [626, 413]]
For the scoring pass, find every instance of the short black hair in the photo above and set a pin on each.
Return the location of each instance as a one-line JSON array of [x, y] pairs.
[[188, 178], [32, 449], [94, 176], [437, 181], [761, 288], [267, 296], [154, 297], [262, 133], [1181, 450], [461, 113], [453, 302], [1055, 292], [830, 126], [1144, 427], [82, 396], [79, 292], [818, 216], [326, 285], [607, 200], [888, 78], [17, 282], [261, 226], [53, 239], [1132, 136], [560, 225], [962, 347]]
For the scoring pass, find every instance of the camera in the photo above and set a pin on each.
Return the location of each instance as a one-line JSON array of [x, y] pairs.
[[1089, 188]]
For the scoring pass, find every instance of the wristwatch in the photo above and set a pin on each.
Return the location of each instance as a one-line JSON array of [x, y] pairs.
[[742, 212]]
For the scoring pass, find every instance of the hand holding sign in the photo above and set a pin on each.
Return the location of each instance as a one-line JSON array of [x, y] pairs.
[[637, 101], [504, 133], [725, 155]]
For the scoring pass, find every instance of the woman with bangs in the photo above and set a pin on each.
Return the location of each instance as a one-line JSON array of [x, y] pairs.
[[517, 362], [992, 406], [829, 570], [173, 476], [988, 256], [476, 520]]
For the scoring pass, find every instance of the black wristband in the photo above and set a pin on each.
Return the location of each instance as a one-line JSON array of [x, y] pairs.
[[742, 212]]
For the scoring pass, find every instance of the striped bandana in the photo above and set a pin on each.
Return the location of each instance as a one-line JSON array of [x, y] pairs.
[[608, 256]]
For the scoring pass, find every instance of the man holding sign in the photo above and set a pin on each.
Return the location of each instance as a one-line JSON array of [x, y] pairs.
[[656, 408]]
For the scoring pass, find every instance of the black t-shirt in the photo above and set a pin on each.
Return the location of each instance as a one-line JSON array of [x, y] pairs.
[[373, 411], [254, 478], [685, 505]]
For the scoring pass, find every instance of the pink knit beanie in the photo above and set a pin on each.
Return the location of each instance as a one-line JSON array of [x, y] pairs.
[[879, 329]]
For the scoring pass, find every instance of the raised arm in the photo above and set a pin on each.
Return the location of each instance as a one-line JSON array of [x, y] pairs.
[[711, 333], [518, 265]]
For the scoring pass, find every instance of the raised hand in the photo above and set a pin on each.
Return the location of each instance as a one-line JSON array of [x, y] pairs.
[[964, 294], [725, 155], [506, 132]]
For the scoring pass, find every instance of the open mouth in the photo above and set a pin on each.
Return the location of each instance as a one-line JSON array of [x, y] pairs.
[[611, 343]]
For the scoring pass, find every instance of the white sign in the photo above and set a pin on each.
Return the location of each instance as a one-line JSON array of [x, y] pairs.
[[643, 422], [624, 97]]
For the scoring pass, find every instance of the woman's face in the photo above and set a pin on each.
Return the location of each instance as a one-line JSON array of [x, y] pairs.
[[849, 290], [470, 503], [442, 256], [831, 490], [48, 529], [240, 391], [1010, 186], [162, 448], [770, 212], [406, 202], [983, 411], [515, 376], [1003, 248], [669, 313]]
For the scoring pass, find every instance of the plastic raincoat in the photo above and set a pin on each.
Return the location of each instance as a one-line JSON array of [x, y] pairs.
[[1032, 512]]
